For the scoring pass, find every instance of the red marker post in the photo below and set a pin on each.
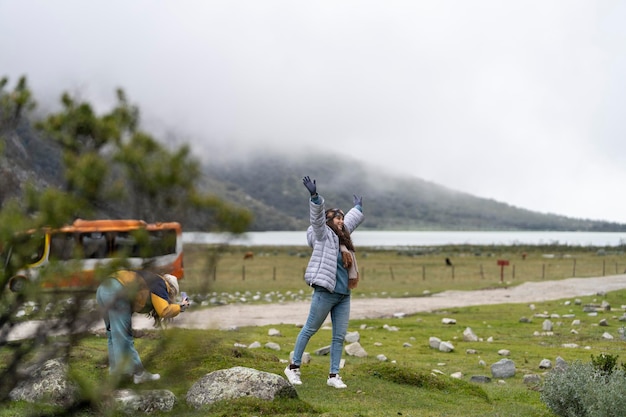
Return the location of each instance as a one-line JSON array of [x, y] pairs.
[[502, 263]]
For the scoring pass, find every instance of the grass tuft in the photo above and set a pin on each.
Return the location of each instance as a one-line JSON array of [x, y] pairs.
[[403, 374]]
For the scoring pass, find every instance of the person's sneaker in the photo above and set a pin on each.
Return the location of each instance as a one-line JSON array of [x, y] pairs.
[[336, 382], [293, 375], [145, 376]]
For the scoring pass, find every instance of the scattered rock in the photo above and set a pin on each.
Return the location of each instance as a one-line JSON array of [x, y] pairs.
[[504, 368], [545, 364], [469, 336], [274, 332], [323, 351], [446, 347], [352, 337], [532, 379], [480, 379], [434, 342], [272, 345], [355, 349]]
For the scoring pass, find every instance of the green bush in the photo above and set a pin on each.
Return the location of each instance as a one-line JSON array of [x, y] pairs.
[[604, 363], [593, 389]]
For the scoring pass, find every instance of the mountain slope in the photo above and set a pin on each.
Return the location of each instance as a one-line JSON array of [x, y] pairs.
[[272, 184]]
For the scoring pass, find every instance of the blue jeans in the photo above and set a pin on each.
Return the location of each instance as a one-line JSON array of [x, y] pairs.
[[324, 302], [117, 313]]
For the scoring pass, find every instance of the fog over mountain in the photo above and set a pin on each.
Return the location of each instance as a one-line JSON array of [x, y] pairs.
[[516, 101], [269, 184]]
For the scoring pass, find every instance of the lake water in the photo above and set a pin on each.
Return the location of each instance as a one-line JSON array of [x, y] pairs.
[[366, 238]]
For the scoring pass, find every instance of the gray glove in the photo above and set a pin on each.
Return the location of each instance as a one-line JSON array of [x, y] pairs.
[[310, 185], [358, 200]]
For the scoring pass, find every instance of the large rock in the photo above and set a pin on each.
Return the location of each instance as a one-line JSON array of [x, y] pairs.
[[149, 401], [237, 382], [48, 384]]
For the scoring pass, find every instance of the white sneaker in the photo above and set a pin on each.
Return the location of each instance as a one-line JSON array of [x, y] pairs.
[[336, 382], [293, 375], [145, 376]]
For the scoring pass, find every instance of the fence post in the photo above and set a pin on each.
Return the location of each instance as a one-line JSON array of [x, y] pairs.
[[574, 268], [543, 271], [423, 272], [603, 267], [391, 271], [513, 272], [243, 273], [274, 274]]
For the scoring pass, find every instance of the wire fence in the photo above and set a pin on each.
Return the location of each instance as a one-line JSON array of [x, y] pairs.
[[401, 276]]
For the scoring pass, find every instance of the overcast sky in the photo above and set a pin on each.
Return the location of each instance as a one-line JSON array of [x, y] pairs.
[[519, 101]]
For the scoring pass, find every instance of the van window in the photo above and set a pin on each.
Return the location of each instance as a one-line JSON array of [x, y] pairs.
[[62, 246], [94, 245]]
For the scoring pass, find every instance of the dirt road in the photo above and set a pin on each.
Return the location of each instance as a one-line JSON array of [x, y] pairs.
[[240, 315]]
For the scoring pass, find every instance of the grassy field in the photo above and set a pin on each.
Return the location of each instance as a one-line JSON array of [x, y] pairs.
[[409, 382], [397, 273]]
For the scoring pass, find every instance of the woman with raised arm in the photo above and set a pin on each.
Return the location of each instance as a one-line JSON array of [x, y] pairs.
[[332, 272]]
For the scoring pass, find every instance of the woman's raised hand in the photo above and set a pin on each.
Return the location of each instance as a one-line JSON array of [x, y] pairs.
[[310, 185]]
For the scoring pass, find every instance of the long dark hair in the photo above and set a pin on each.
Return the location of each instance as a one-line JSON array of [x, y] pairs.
[[343, 233]]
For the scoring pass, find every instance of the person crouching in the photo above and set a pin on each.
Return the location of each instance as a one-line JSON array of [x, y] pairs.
[[121, 295]]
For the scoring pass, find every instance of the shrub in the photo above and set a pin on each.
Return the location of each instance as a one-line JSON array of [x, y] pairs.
[[586, 389], [604, 363]]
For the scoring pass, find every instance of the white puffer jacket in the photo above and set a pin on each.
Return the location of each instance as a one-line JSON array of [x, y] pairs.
[[322, 267]]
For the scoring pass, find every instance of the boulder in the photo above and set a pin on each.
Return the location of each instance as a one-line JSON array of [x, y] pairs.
[[131, 402], [47, 383], [237, 382]]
